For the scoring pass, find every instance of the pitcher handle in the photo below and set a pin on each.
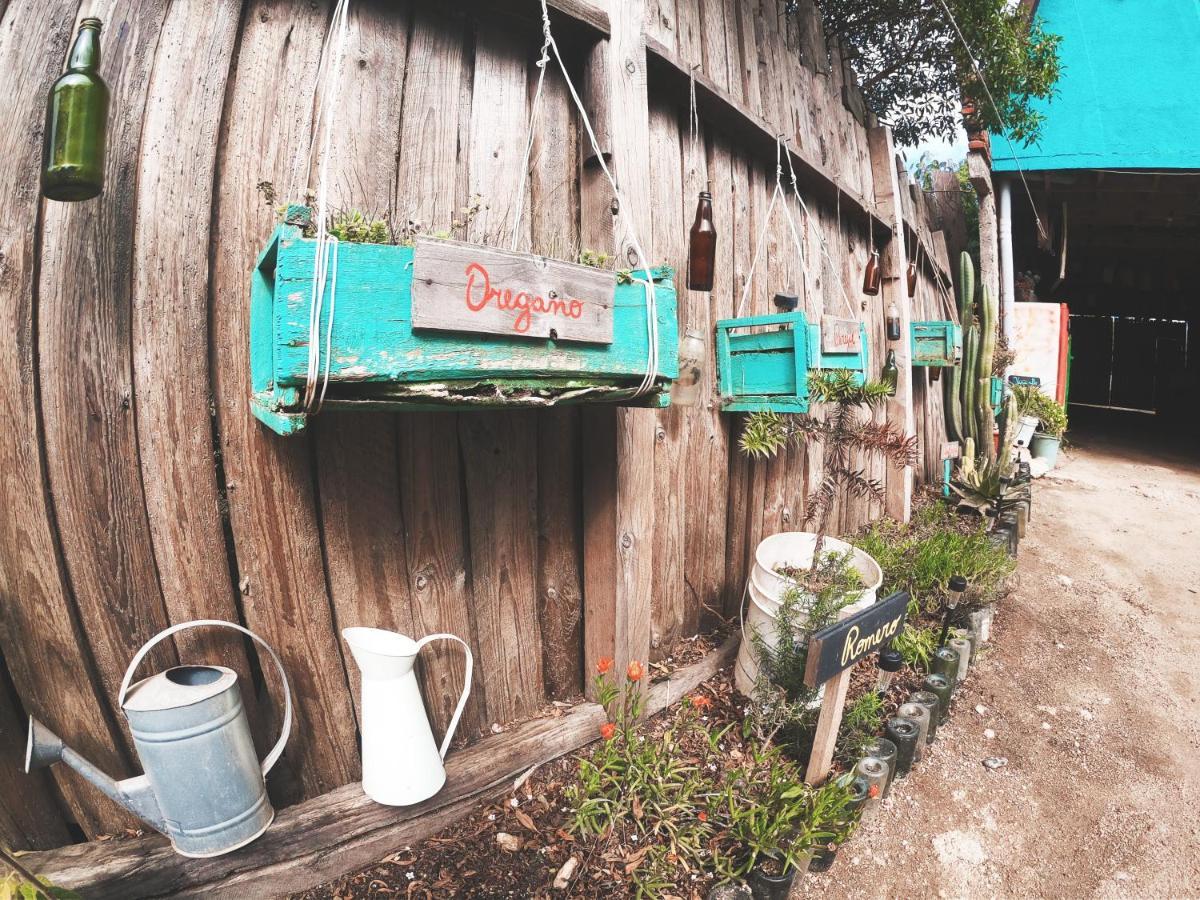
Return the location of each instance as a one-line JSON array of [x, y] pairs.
[[272, 757], [462, 701]]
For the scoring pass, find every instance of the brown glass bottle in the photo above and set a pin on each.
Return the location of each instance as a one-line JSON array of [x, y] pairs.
[[912, 278], [873, 276], [76, 122], [702, 246]]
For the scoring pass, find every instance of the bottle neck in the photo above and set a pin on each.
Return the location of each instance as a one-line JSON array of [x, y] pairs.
[[703, 210], [85, 53]]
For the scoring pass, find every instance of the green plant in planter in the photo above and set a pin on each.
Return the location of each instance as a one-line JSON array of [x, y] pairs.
[[1032, 401], [916, 645]]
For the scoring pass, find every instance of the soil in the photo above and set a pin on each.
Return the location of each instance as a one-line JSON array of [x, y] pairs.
[[1089, 689]]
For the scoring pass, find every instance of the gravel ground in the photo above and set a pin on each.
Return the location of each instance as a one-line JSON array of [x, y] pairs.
[[1091, 692]]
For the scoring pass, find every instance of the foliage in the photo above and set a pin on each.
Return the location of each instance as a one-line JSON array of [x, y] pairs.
[[914, 70], [921, 557], [861, 722], [916, 645], [597, 259], [843, 435], [354, 228], [1032, 401], [923, 170], [21, 884]]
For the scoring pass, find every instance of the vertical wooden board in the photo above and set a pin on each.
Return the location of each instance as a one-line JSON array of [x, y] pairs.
[[269, 479], [706, 445], [170, 325], [676, 174], [766, 29], [733, 50], [84, 365], [554, 221], [30, 817], [39, 632], [690, 32], [661, 24], [500, 449], [750, 55], [356, 453], [500, 471]]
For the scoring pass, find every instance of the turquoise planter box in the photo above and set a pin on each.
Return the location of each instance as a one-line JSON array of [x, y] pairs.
[[997, 397], [768, 369], [377, 361], [936, 344]]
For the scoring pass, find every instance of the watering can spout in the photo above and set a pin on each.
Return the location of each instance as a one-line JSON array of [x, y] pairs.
[[45, 748]]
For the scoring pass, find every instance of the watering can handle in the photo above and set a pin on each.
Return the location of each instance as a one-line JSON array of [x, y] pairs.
[[462, 701], [271, 758]]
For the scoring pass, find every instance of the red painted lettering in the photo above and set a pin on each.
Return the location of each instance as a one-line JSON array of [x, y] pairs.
[[480, 293]]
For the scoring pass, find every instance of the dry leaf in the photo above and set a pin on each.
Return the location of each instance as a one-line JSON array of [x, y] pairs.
[[635, 859], [637, 808], [524, 820]]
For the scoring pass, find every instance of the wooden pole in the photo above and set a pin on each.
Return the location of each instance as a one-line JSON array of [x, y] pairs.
[[618, 443], [893, 255], [825, 740]]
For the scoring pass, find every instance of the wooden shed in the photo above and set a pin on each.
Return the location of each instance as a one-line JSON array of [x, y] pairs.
[[138, 490]]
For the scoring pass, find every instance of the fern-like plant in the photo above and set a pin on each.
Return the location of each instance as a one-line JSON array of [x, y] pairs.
[[842, 434]]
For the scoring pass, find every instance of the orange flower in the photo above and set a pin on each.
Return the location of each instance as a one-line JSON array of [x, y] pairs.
[[702, 816], [702, 702], [873, 792], [604, 664], [607, 730], [635, 671]]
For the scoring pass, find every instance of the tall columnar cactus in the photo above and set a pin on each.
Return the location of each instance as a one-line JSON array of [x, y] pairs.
[[967, 391]]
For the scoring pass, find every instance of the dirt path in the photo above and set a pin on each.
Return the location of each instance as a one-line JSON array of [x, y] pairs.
[[1092, 692]]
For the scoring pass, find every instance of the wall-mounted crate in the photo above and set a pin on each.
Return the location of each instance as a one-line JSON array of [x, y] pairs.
[[381, 359], [767, 369], [839, 344], [936, 344], [997, 394]]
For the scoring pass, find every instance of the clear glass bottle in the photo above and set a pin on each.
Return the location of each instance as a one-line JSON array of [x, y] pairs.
[[76, 123], [873, 276], [702, 246], [893, 322], [692, 355]]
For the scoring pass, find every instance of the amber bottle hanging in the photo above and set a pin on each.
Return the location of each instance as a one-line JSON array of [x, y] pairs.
[[893, 322], [76, 122], [912, 278], [873, 276], [891, 377], [702, 246]]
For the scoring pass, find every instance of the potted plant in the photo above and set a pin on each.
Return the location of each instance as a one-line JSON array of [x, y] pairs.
[[1052, 421]]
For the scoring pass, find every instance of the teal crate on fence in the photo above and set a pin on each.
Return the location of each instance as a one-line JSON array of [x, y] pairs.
[[936, 344], [765, 369], [378, 361], [997, 395]]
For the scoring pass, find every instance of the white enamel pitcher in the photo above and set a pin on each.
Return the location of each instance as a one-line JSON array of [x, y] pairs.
[[402, 764]]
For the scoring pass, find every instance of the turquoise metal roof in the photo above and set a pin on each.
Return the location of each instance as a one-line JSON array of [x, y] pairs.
[[1127, 94]]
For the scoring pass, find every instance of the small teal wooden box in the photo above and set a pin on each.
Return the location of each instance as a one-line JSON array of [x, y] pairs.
[[936, 344], [768, 370], [377, 361], [997, 397]]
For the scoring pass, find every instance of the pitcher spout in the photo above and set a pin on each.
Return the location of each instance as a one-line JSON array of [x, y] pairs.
[[44, 748], [380, 653]]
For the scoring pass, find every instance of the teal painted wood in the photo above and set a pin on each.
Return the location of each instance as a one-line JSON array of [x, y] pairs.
[[937, 343], [856, 362], [997, 398], [766, 370], [378, 361]]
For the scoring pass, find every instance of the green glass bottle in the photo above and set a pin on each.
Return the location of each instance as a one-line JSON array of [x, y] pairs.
[[891, 373], [76, 121]]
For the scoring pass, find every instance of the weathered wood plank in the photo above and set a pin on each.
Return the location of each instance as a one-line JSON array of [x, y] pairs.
[[30, 816], [270, 481], [750, 55], [343, 830], [689, 33], [712, 42], [42, 643], [86, 375], [170, 324]]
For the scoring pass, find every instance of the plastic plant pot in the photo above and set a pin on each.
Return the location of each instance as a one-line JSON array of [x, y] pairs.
[[1045, 446], [770, 887]]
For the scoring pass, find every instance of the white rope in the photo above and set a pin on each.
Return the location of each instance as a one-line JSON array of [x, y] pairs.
[[534, 114], [326, 246], [651, 375], [693, 115]]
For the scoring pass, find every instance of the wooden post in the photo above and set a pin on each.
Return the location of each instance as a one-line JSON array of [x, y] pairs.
[[893, 255], [825, 740], [980, 174], [618, 444]]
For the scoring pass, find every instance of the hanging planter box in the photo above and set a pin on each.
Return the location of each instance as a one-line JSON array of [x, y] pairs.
[[936, 344], [768, 369], [446, 325], [997, 396]]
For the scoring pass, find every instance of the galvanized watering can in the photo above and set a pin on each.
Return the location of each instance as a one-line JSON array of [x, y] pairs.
[[204, 787], [401, 762]]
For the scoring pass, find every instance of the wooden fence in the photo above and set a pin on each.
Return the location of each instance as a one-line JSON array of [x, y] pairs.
[[137, 489]]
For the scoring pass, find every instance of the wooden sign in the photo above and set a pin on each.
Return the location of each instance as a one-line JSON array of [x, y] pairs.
[[466, 287], [951, 450], [832, 652], [838, 647], [839, 335]]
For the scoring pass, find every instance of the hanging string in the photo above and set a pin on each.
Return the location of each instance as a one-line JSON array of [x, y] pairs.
[[693, 115], [326, 245], [1004, 125], [534, 114], [762, 234]]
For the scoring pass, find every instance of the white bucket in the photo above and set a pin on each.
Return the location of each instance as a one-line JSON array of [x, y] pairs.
[[766, 587]]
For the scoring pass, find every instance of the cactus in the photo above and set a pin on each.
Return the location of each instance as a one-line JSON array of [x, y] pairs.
[[969, 383], [967, 392], [985, 420]]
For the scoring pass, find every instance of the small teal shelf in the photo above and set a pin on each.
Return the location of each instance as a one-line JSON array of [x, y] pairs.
[[767, 369], [936, 344]]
